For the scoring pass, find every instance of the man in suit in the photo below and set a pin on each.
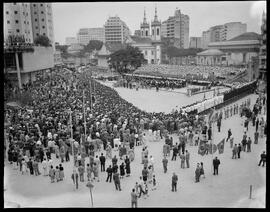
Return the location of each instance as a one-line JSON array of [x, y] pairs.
[[102, 160], [174, 182], [216, 163], [109, 172]]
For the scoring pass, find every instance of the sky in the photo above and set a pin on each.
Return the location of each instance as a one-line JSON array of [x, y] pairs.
[[70, 17]]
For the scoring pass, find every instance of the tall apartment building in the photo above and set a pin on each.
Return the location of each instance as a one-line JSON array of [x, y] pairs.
[[116, 30], [232, 29], [17, 20], [70, 40], [177, 26], [222, 32], [195, 42], [86, 34], [42, 20]]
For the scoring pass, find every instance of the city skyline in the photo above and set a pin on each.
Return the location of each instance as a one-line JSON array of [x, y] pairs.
[[247, 12]]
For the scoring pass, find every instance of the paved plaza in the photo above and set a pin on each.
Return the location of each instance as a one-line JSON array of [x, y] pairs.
[[229, 189]]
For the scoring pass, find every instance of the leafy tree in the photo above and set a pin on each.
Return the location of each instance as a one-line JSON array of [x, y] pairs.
[[92, 45], [126, 60], [42, 40]]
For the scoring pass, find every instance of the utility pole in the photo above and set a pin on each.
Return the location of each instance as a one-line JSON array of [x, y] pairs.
[[84, 117], [18, 72]]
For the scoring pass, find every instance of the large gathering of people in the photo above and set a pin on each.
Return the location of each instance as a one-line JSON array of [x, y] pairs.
[[63, 122]]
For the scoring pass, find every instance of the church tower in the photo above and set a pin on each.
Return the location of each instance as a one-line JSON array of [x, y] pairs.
[[145, 27], [155, 26]]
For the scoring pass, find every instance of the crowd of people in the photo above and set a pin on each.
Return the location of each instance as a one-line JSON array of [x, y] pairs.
[[108, 124], [196, 72]]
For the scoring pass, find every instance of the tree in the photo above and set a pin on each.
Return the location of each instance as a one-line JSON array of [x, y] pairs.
[[126, 60], [92, 45], [42, 40]]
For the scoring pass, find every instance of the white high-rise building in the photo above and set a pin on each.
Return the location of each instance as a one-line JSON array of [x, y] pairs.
[[17, 20], [177, 26], [42, 20], [70, 40], [232, 29], [116, 30], [86, 34]]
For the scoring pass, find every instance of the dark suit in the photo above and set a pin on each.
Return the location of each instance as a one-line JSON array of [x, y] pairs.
[[216, 163], [102, 160]]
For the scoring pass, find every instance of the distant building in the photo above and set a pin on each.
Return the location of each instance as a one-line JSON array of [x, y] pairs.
[[262, 54], [74, 47], [177, 26], [238, 50], [86, 34], [222, 33], [70, 40], [17, 20], [42, 20], [137, 33], [116, 30], [195, 42]]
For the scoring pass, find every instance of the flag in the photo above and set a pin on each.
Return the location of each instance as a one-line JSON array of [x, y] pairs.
[[220, 146], [202, 148], [212, 110], [212, 148]]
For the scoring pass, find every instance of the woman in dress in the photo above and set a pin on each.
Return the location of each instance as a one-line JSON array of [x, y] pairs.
[[202, 170], [24, 166], [127, 166], [57, 174]]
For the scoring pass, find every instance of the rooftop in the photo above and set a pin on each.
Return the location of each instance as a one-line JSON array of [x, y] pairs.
[[246, 36]]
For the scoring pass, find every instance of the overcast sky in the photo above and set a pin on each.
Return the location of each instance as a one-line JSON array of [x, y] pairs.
[[70, 17]]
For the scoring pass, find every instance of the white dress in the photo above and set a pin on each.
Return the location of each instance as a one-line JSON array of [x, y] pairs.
[[24, 167]]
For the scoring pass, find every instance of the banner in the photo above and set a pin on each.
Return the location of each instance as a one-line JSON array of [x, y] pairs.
[[220, 146], [212, 148], [202, 148]]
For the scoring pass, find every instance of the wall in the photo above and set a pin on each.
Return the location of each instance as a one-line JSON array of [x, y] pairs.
[[41, 58]]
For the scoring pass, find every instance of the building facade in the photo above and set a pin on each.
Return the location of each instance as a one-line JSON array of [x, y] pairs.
[[116, 30], [42, 20], [17, 20], [195, 42], [222, 32], [177, 26], [70, 40], [86, 34], [262, 54]]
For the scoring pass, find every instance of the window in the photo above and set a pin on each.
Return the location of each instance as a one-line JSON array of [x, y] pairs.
[[8, 22], [43, 27], [7, 12], [153, 32], [157, 31], [44, 34], [36, 27], [41, 5], [16, 21], [17, 30], [23, 13], [34, 5], [35, 13], [42, 12], [42, 19], [37, 34], [16, 12], [145, 52], [14, 3], [24, 22], [36, 19], [152, 52]]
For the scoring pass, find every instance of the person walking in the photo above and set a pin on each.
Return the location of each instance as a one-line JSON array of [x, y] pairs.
[[102, 162], [81, 172], [145, 174], [249, 144], [216, 163], [231, 142], [24, 166], [229, 134], [127, 166], [175, 152], [109, 173], [187, 158], [234, 151], [52, 174], [174, 182], [74, 177], [57, 174], [202, 170], [134, 199], [197, 173], [141, 185], [45, 167], [165, 164], [61, 174], [30, 166], [182, 157], [122, 170], [263, 159], [256, 137], [239, 150], [209, 132], [219, 124], [244, 142], [116, 180]]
